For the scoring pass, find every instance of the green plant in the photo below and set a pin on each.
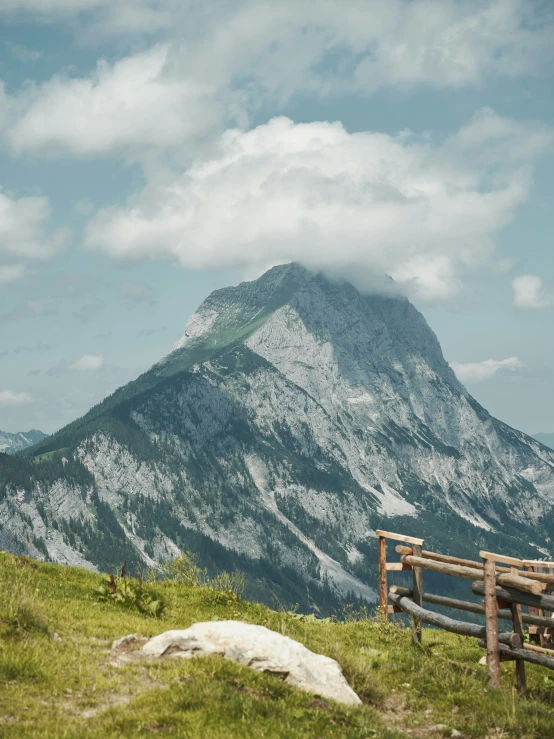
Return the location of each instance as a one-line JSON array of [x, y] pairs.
[[184, 569], [130, 593]]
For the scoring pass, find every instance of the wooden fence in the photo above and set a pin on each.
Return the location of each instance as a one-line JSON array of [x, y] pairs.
[[505, 589]]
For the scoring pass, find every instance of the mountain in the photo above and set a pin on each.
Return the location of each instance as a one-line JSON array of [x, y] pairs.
[[293, 418], [11, 443], [546, 439]]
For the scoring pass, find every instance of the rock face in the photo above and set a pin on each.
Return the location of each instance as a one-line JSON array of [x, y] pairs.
[[293, 418], [260, 649]]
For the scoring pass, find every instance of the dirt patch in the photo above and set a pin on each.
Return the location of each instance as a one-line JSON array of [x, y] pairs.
[[398, 715], [112, 702]]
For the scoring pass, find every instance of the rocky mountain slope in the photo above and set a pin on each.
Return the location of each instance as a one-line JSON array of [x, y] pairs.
[[11, 443], [293, 418]]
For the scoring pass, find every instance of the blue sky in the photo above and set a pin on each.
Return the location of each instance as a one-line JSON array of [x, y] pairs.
[[154, 150]]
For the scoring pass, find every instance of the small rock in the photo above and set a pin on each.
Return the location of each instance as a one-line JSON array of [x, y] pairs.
[[118, 642], [455, 732], [428, 711], [439, 727], [56, 637], [483, 660], [405, 685], [260, 649]]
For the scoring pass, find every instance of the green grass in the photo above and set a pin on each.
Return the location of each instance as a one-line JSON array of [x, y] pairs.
[[56, 679]]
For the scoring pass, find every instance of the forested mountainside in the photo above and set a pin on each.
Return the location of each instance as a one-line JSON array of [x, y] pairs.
[[294, 417]]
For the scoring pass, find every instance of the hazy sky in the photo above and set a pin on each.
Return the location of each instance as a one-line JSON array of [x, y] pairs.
[[154, 150]]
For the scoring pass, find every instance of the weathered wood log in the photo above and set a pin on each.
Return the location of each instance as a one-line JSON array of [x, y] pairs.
[[397, 567], [525, 654], [441, 557], [541, 650], [448, 569], [491, 624], [399, 537], [538, 563], [516, 596], [520, 583], [441, 600], [492, 557], [470, 573], [529, 574], [449, 624], [465, 605], [383, 602], [539, 576]]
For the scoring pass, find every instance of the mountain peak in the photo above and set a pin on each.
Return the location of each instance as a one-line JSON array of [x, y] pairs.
[[11, 443], [232, 311], [349, 322]]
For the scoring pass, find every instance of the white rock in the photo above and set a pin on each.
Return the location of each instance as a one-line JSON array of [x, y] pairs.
[[260, 649]]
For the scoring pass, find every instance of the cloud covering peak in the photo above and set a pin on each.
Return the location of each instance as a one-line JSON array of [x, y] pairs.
[[398, 204]]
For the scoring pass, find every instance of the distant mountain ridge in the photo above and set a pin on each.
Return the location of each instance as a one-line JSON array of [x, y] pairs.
[[293, 418], [547, 439], [11, 443]]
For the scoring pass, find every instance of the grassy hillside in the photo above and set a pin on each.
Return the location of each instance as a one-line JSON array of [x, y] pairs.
[[56, 678]]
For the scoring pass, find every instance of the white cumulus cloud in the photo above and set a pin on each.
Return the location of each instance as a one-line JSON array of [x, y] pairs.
[[126, 106], [314, 193], [221, 61], [88, 363], [10, 398], [25, 234], [478, 371], [24, 228], [281, 45], [529, 292]]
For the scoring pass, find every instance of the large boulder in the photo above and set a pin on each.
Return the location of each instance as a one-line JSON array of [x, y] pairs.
[[260, 649]]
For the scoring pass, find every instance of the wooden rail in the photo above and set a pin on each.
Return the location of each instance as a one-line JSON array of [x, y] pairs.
[[464, 605], [470, 573], [465, 628], [529, 573], [504, 589]]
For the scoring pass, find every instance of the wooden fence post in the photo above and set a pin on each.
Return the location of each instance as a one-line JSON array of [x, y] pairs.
[[491, 623], [521, 680], [515, 608], [383, 595], [417, 590]]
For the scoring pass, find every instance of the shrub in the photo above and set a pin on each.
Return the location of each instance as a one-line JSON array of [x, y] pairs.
[[130, 593]]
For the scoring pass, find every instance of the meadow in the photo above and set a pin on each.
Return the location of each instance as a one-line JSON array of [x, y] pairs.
[[57, 677]]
